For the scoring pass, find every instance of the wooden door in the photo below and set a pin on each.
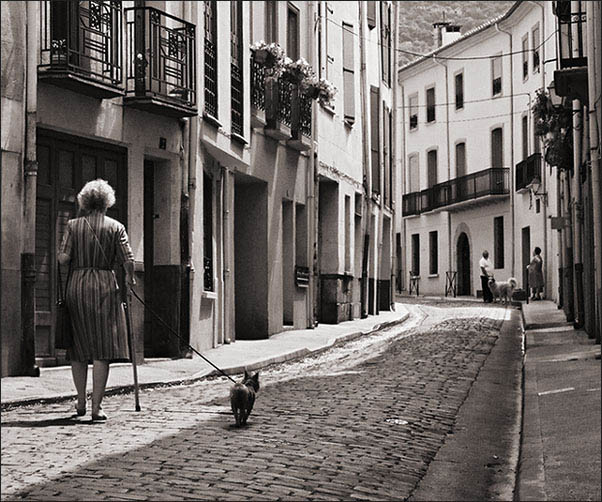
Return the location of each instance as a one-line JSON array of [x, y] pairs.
[[65, 164]]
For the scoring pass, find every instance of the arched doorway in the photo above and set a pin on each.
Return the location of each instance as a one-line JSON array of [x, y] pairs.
[[463, 263]]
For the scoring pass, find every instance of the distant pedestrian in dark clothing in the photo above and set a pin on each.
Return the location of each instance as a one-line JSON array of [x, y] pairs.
[[535, 270], [93, 245], [486, 267]]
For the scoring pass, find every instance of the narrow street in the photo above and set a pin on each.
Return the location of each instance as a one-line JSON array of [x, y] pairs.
[[362, 420]]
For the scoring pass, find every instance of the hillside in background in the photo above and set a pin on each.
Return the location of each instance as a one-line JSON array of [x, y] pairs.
[[417, 18]]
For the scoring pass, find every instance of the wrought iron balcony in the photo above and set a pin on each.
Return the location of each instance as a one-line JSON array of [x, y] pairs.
[[81, 46], [279, 95], [572, 51], [301, 112], [161, 76], [472, 189], [526, 170], [257, 94]]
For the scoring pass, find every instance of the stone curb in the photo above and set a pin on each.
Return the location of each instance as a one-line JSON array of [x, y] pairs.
[[208, 374]]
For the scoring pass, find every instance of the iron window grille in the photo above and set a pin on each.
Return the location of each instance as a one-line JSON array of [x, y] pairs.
[[236, 70], [161, 56], [257, 85], [210, 47], [83, 37]]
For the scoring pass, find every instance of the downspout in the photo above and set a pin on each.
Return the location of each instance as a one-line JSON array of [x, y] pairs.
[[366, 167], [577, 214], [593, 75], [511, 177], [449, 238], [404, 184], [393, 153], [28, 266], [310, 187]]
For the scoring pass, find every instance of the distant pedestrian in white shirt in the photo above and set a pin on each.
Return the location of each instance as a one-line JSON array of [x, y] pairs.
[[486, 272]]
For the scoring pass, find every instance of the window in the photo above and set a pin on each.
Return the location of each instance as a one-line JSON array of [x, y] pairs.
[[430, 104], [371, 14], [320, 45], [525, 131], [496, 75], [207, 232], [271, 21], [292, 33], [498, 242], [535, 42], [413, 173], [525, 51], [460, 159], [433, 253], [431, 160], [413, 106], [348, 73], [211, 58], [497, 148], [385, 41], [237, 87], [374, 137], [415, 254], [459, 91]]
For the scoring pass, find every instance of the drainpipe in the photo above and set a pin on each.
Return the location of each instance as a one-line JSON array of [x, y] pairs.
[[393, 153], [28, 266], [577, 214], [404, 184], [593, 74], [449, 247], [511, 177], [366, 166], [311, 180]]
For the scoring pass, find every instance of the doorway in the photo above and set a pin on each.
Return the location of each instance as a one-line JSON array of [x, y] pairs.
[[463, 264], [526, 253]]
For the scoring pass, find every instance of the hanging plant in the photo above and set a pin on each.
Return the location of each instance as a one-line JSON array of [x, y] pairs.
[[299, 72], [271, 56], [555, 125], [322, 90]]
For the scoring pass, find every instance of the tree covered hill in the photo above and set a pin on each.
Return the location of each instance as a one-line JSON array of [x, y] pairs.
[[416, 20]]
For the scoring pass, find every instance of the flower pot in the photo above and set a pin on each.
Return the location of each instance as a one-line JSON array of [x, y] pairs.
[[261, 56]]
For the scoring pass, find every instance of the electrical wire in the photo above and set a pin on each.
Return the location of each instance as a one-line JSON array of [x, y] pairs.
[[339, 24], [481, 100]]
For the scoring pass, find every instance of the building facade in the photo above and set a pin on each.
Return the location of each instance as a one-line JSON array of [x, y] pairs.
[[250, 207], [470, 155]]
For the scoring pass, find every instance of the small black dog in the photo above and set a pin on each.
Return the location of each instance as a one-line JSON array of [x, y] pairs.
[[242, 397]]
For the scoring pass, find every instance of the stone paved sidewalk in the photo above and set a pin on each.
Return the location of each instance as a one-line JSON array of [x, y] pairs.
[[560, 447], [56, 383]]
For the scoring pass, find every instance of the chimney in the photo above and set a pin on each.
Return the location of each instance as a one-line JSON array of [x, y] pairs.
[[445, 33]]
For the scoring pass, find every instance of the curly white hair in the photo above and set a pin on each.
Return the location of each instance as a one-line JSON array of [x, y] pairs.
[[97, 195]]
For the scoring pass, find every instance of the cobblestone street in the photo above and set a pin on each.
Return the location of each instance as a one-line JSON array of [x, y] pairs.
[[361, 420]]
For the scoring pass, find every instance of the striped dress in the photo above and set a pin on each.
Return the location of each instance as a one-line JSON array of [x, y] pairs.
[[93, 297]]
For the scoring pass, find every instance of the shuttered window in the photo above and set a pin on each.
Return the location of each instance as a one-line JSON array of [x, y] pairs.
[[385, 41], [498, 242], [525, 52], [459, 91], [374, 137], [292, 33], [271, 21], [414, 173], [430, 104], [535, 42], [348, 73], [386, 156], [460, 159]]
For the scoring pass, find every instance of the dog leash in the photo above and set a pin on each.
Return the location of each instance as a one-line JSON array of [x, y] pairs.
[[172, 331], [158, 317]]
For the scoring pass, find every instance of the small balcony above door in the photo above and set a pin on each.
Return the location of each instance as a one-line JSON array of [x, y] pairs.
[[161, 75], [81, 46]]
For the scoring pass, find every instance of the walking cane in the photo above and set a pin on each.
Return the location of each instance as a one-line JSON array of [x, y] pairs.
[[128, 320]]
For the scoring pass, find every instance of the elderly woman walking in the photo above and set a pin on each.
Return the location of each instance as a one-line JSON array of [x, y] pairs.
[[535, 271], [93, 244]]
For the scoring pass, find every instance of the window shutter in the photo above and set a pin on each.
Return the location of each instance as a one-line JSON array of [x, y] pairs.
[[348, 73], [386, 154], [371, 15], [374, 137]]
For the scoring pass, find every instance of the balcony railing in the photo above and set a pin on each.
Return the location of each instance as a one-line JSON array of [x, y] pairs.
[[493, 181], [572, 51], [81, 46], [257, 85], [237, 104], [279, 96], [305, 111], [527, 170], [161, 62], [285, 95]]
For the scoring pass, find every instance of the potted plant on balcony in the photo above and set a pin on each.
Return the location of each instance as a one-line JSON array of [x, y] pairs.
[[271, 56], [554, 124], [298, 72]]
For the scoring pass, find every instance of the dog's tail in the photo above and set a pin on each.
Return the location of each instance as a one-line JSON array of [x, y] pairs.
[[512, 282]]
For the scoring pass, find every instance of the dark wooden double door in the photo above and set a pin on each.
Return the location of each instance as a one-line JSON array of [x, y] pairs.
[[65, 164]]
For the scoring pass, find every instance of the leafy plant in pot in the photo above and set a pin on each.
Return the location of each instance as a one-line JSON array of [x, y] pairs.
[[271, 56]]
